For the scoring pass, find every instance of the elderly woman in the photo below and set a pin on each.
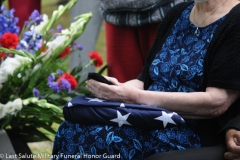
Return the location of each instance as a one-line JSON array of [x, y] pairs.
[[193, 68]]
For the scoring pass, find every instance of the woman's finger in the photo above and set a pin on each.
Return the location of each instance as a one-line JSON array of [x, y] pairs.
[[99, 89], [93, 87], [113, 80], [237, 138]]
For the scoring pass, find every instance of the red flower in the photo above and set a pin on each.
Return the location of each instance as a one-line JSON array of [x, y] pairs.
[[65, 52], [2, 56], [97, 58], [70, 79], [43, 48], [9, 40]]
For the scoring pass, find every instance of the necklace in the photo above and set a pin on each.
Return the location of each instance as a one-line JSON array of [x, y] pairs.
[[206, 17]]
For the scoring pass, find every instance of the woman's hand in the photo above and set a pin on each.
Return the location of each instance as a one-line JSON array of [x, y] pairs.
[[123, 92], [233, 144]]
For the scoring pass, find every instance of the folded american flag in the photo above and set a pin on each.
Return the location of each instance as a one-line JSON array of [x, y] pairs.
[[90, 110]]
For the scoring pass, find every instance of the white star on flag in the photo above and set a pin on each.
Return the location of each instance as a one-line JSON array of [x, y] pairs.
[[95, 100], [171, 114], [122, 105], [166, 118], [121, 119], [70, 104]]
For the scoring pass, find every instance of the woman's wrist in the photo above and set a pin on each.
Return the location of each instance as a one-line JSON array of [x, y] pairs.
[[135, 96]]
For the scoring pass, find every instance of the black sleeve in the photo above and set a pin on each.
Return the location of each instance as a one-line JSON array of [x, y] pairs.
[[224, 70], [223, 61], [232, 124]]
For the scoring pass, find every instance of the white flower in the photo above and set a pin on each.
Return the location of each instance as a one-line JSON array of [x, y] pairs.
[[39, 27], [65, 31], [53, 45], [17, 104], [77, 26], [56, 12], [60, 7], [25, 102], [19, 75], [9, 108], [58, 41], [10, 64]]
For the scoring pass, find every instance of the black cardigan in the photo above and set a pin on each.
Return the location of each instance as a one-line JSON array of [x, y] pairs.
[[221, 66]]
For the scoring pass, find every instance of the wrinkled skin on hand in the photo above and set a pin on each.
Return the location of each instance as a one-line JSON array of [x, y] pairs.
[[117, 92]]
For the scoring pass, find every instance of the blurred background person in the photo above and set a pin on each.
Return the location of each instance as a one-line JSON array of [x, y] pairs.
[[23, 9], [130, 31]]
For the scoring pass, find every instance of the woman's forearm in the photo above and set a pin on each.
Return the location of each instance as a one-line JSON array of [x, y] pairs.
[[209, 104]]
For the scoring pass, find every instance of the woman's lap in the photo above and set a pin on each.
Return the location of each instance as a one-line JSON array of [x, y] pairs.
[[120, 142]]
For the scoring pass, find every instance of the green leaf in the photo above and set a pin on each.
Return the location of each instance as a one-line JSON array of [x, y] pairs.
[[102, 69], [4, 122], [55, 96], [56, 16], [17, 52], [76, 70]]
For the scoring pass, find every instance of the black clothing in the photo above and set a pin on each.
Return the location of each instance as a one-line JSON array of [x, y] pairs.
[[221, 66]]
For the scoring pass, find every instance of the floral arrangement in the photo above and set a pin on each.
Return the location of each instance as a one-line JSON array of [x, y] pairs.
[[34, 82]]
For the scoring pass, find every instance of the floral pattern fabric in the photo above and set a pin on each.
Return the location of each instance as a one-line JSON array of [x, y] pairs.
[[178, 67], [109, 142]]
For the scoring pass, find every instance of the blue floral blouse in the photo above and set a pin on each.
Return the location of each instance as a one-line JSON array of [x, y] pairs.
[[178, 67]]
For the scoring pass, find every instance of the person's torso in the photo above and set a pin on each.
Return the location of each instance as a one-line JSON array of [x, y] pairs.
[[178, 66]]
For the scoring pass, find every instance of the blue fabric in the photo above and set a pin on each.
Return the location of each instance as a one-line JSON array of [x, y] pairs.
[[125, 142], [178, 67], [90, 110]]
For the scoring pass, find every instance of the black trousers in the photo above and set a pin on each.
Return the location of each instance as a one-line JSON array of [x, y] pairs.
[[205, 153]]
